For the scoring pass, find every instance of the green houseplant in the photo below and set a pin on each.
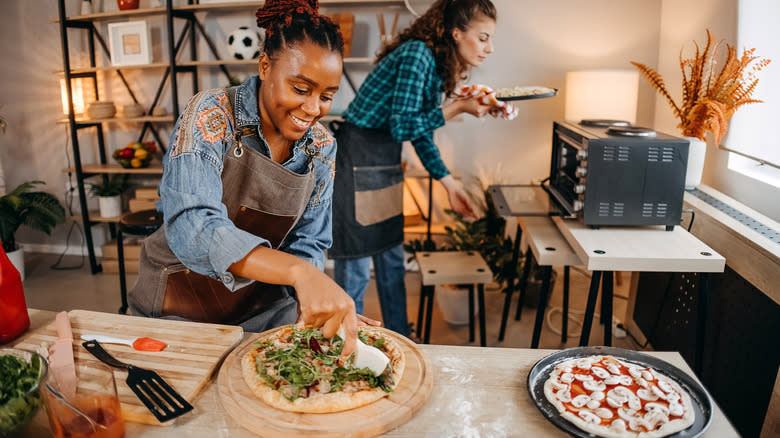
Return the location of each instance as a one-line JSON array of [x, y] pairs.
[[22, 206], [109, 193]]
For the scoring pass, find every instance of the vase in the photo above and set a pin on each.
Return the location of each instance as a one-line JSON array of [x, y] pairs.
[[110, 206], [453, 302], [17, 259], [697, 150], [127, 4]]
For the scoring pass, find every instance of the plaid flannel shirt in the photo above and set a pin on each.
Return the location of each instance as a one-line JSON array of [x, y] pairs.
[[403, 94]]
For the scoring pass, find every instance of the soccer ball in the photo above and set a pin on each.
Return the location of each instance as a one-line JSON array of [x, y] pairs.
[[244, 43]]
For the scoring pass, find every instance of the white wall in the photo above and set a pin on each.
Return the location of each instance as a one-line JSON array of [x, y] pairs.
[[682, 22]]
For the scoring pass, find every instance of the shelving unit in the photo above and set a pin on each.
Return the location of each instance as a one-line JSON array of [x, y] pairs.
[[182, 42]]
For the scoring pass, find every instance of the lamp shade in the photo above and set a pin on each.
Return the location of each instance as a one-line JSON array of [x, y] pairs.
[[602, 94]]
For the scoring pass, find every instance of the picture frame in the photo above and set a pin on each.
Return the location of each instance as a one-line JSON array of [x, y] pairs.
[[129, 43]]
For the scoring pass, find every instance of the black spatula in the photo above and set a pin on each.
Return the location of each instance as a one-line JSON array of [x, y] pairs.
[[162, 400]]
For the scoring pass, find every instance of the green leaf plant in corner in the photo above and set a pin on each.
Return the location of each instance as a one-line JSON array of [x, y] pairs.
[[40, 211], [116, 185]]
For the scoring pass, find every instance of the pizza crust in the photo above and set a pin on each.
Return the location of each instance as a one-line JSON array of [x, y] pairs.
[[319, 403], [554, 383]]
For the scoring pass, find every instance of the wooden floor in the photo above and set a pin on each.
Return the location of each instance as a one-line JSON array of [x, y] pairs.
[[52, 289]]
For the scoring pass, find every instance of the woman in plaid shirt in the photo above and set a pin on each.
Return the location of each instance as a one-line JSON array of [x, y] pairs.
[[401, 100]]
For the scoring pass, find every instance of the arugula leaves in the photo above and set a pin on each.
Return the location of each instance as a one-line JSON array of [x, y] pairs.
[[18, 398], [312, 360]]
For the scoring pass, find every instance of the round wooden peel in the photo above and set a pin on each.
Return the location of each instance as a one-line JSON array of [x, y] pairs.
[[381, 416]]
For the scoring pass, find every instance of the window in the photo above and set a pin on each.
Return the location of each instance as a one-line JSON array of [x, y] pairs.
[[753, 129]]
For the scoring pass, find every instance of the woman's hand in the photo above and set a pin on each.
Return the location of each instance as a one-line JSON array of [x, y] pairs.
[[459, 199], [470, 105], [321, 302]]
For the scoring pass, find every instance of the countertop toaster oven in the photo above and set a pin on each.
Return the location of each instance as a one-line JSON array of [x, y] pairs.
[[611, 173]]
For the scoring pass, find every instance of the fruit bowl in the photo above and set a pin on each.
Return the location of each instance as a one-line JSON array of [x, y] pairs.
[[21, 373], [135, 155]]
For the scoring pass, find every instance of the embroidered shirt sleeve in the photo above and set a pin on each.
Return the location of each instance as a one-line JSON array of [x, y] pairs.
[[312, 235], [197, 226]]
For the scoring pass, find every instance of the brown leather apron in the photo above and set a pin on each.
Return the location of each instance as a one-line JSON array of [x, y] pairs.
[[263, 198]]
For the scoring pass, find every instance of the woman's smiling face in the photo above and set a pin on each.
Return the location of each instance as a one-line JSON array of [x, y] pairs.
[[297, 88], [476, 42]]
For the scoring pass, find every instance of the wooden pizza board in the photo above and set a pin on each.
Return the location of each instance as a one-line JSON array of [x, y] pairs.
[[371, 420], [193, 353]]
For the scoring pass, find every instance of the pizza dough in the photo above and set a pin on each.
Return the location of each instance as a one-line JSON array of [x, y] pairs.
[[295, 370], [609, 397]]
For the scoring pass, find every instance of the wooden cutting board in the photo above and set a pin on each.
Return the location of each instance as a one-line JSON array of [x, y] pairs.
[[193, 353], [370, 420]]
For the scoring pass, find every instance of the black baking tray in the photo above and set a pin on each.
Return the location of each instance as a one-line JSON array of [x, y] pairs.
[[529, 96], [700, 398]]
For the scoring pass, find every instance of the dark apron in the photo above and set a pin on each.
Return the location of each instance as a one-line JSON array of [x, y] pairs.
[[263, 198], [367, 192]]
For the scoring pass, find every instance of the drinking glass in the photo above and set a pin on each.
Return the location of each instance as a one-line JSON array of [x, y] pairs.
[[93, 411]]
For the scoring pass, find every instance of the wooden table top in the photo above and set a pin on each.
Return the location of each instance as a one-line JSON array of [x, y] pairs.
[[477, 391]]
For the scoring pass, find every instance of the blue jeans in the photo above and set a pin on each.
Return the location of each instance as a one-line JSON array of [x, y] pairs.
[[353, 276]]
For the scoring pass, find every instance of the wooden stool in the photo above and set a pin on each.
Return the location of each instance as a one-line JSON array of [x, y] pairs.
[[452, 267], [140, 223], [549, 248]]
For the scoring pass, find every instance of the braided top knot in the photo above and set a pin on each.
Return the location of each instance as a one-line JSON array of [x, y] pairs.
[[278, 12]]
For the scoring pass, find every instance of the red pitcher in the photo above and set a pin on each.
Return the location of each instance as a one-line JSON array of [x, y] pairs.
[[13, 309]]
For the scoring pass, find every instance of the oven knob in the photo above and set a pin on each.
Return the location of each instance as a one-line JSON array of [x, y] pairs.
[[563, 161], [581, 171], [579, 188], [577, 205], [582, 154], [564, 151]]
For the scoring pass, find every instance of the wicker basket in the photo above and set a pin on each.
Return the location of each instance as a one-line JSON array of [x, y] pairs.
[[101, 110]]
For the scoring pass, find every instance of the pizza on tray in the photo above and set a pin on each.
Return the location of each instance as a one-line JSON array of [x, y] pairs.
[[523, 91], [609, 397], [298, 370]]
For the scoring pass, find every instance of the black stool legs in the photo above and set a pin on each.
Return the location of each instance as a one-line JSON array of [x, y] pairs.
[[120, 255], [565, 320], [425, 311], [590, 308]]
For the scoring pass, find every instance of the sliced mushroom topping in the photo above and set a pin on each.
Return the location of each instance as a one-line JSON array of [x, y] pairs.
[[614, 402], [567, 377], [655, 418], [635, 403], [603, 413], [563, 395], [658, 392], [590, 417], [643, 383], [580, 401], [568, 369], [666, 386], [647, 375], [558, 385], [583, 377], [635, 372], [676, 409], [647, 394], [613, 380], [625, 380], [597, 395], [618, 425], [627, 414], [593, 404], [613, 368], [600, 372], [636, 424], [657, 407], [592, 385], [584, 363]]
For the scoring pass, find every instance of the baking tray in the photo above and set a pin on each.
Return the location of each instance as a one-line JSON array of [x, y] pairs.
[[530, 96], [700, 398]]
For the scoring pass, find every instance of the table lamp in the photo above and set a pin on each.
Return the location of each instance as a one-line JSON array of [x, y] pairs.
[[601, 94]]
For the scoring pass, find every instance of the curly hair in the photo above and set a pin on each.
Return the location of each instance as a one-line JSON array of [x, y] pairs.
[[434, 28], [290, 21]]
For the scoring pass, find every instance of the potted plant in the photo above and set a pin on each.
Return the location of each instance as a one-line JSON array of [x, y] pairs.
[[38, 210], [109, 193], [709, 97]]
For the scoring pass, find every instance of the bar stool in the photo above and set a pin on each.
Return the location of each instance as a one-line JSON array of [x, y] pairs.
[[141, 223], [452, 267]]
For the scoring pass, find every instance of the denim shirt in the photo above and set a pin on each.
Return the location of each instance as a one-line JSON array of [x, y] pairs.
[[197, 226]]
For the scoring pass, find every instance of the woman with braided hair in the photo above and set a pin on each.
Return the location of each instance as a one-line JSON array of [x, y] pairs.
[[246, 192], [400, 100]]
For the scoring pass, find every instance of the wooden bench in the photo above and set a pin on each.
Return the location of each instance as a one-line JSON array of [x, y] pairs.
[[452, 267]]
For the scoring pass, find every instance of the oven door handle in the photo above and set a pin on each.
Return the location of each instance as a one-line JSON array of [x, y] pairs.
[[568, 139]]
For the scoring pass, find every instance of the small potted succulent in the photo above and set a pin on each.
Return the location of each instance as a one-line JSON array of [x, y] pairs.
[[109, 193]]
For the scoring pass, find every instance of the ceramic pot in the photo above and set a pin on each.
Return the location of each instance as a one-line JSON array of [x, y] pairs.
[[127, 4], [17, 259], [453, 302], [696, 153], [110, 206]]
